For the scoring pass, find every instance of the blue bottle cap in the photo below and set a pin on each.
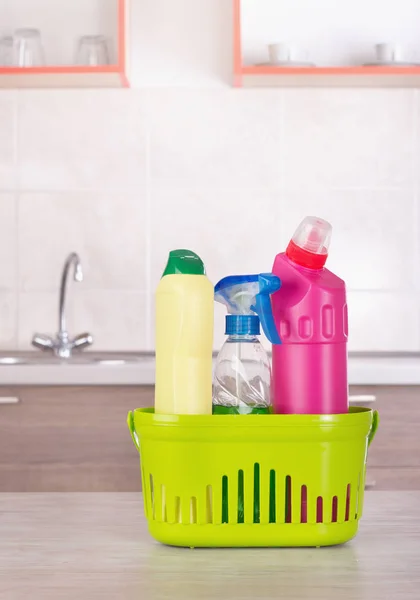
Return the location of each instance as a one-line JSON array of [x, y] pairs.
[[242, 325]]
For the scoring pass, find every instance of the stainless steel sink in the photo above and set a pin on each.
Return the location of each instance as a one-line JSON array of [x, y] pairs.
[[89, 358], [7, 361]]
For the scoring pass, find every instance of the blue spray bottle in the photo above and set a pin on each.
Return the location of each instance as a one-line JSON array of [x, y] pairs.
[[242, 376]]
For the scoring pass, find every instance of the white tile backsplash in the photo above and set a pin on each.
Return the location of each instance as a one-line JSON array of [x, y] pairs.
[[8, 140], [123, 177], [81, 139], [218, 140], [38, 313], [8, 243], [345, 138], [116, 319], [383, 322], [9, 319], [107, 230]]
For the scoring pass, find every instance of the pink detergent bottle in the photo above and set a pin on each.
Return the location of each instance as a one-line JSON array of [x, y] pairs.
[[310, 312]]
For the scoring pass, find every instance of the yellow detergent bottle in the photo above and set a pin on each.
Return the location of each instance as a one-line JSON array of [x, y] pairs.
[[184, 337]]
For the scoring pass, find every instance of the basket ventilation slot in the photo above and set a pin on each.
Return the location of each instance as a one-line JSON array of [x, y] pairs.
[[273, 506]]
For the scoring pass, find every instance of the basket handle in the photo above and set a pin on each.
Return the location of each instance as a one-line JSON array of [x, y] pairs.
[[374, 428], [134, 436]]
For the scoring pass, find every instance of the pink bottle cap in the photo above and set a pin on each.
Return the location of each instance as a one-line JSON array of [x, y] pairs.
[[310, 243]]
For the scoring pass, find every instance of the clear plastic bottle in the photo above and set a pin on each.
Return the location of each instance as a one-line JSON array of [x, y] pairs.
[[242, 375]]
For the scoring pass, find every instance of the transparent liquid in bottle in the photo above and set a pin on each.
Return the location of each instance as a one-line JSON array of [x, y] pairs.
[[242, 375]]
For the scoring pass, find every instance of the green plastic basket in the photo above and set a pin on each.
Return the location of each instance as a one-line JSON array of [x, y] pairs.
[[253, 480]]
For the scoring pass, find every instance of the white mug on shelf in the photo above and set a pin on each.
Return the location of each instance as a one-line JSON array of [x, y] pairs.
[[282, 53], [389, 52]]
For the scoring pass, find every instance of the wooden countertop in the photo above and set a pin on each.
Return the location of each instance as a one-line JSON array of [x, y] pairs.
[[96, 546]]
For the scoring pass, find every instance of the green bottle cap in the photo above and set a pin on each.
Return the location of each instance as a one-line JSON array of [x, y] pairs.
[[184, 262]]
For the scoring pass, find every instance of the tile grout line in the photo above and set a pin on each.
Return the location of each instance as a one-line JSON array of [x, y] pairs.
[[148, 242], [416, 208], [282, 182], [183, 188], [17, 212]]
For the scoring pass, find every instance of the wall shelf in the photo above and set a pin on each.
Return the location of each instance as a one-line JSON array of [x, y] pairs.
[[114, 24], [63, 77], [247, 74], [328, 77]]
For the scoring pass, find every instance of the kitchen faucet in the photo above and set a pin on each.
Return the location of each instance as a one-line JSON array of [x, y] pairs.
[[62, 345]]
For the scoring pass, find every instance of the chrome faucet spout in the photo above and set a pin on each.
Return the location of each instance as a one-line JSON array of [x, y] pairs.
[[73, 260]]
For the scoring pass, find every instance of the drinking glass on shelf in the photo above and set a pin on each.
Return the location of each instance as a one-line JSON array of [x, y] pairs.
[[27, 48], [93, 51], [6, 51]]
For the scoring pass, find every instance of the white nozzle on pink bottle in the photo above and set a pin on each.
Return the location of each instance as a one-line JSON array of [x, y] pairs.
[[310, 243]]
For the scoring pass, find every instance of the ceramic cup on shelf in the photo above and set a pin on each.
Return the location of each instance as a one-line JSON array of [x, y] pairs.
[[27, 48], [93, 51], [389, 52], [281, 52], [286, 55]]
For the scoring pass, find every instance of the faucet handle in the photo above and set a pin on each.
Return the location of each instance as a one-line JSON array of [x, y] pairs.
[[43, 342], [82, 341]]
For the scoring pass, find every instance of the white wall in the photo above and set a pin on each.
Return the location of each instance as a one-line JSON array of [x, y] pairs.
[[185, 160]]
